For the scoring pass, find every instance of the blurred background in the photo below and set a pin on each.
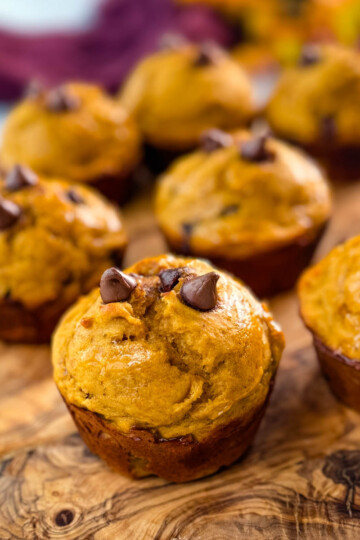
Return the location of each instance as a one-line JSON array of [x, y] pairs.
[[100, 40]]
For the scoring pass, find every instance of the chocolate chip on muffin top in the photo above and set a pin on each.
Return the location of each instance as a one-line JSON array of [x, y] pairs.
[[60, 100], [20, 177], [197, 292], [75, 197], [115, 286], [310, 55], [214, 139], [255, 149], [200, 292], [169, 278], [229, 210], [9, 214], [207, 54]]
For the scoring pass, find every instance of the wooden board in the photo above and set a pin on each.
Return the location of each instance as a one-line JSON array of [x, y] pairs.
[[300, 479]]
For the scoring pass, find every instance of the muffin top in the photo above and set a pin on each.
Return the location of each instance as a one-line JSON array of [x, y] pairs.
[[179, 92], [330, 299], [241, 194], [170, 346], [56, 238], [75, 132], [318, 101]]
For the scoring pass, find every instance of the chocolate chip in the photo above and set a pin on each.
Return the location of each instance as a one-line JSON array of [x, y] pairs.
[[214, 139], [200, 292], [172, 41], [207, 55], [187, 229], [33, 90], [115, 286], [9, 214], [254, 149], [228, 210], [169, 278], [20, 177], [310, 55], [74, 197], [60, 100], [328, 128], [203, 59]]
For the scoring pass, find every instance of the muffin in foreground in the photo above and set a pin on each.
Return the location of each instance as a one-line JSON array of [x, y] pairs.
[[251, 204], [75, 132], [317, 105], [184, 89], [329, 295], [56, 239], [167, 369]]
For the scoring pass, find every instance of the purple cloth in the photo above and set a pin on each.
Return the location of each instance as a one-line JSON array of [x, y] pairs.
[[125, 30]]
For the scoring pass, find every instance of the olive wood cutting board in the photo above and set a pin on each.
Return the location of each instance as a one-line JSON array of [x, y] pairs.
[[300, 479]]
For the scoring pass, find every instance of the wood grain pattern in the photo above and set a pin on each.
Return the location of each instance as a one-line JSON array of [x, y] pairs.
[[300, 479]]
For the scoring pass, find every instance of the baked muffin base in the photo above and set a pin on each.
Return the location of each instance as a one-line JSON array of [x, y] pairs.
[[340, 163], [273, 271], [20, 324], [140, 453], [23, 325], [117, 188], [157, 160], [341, 372]]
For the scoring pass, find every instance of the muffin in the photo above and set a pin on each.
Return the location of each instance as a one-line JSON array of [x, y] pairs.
[[182, 90], [329, 295], [75, 132], [251, 204], [167, 369], [56, 239], [337, 21], [317, 105], [270, 31]]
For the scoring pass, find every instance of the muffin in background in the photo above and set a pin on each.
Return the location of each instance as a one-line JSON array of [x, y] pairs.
[[277, 29], [75, 132], [329, 295], [176, 366], [253, 205], [56, 239], [317, 105], [180, 91]]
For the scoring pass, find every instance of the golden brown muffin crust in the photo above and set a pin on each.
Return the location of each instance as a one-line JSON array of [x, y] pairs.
[[318, 102], [154, 362], [64, 238], [223, 205], [176, 94], [94, 138], [330, 299]]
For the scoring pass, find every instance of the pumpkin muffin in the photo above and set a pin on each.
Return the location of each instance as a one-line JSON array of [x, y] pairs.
[[75, 132], [317, 105], [167, 369], [251, 204], [182, 90], [330, 307], [56, 239]]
